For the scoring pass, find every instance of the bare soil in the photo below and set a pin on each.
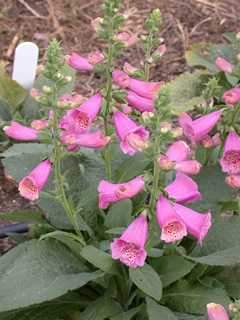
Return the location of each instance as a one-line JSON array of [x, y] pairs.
[[184, 23]]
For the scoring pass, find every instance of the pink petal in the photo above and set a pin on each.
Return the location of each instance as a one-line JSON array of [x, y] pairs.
[[19, 132], [139, 103], [216, 312], [178, 151]]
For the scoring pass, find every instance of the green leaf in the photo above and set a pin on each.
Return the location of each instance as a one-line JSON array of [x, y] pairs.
[[186, 91], [24, 216], [158, 312], [18, 150], [231, 36], [5, 110], [44, 271], [171, 268], [100, 309], [229, 206], [213, 188], [221, 246], [146, 279], [230, 278], [119, 214], [31, 110], [193, 298], [18, 237], [119, 230], [205, 55], [128, 314], [50, 310], [101, 260], [184, 316], [11, 91], [131, 167]]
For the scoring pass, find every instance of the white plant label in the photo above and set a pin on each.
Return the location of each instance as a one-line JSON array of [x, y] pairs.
[[25, 64]]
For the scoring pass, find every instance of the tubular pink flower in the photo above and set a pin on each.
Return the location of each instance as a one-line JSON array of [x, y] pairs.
[[92, 140], [126, 39], [129, 248], [183, 189], [188, 166], [216, 312], [197, 129], [197, 223], [139, 103], [110, 192], [39, 124], [121, 78], [232, 96], [206, 142], [224, 65], [80, 118], [95, 57], [233, 181], [31, 185], [173, 229], [19, 132], [230, 161], [79, 63], [178, 151], [72, 101], [133, 138], [148, 90]]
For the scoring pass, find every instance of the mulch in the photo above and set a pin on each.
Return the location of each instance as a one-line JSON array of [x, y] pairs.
[[184, 23]]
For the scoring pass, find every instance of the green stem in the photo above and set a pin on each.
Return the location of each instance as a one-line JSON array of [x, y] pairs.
[[147, 66], [108, 100], [156, 172], [58, 173], [235, 113]]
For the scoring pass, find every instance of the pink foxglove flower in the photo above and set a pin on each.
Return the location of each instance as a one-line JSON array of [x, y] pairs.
[[126, 39], [110, 192], [224, 65], [129, 248], [197, 223], [160, 50], [125, 108], [139, 103], [72, 101], [188, 166], [233, 181], [173, 229], [35, 93], [230, 161], [95, 57], [89, 140], [80, 118], [216, 312], [148, 90], [133, 138], [31, 185], [79, 63], [19, 132], [175, 221], [199, 128], [177, 154], [183, 189], [39, 124], [231, 96]]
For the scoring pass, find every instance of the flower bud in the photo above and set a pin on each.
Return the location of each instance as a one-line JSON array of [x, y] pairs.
[[216, 312], [35, 93], [64, 81], [47, 89], [216, 140], [164, 162], [96, 23], [233, 181], [95, 57], [62, 103], [206, 142], [126, 39], [129, 69], [238, 36], [176, 132], [39, 124], [44, 101]]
